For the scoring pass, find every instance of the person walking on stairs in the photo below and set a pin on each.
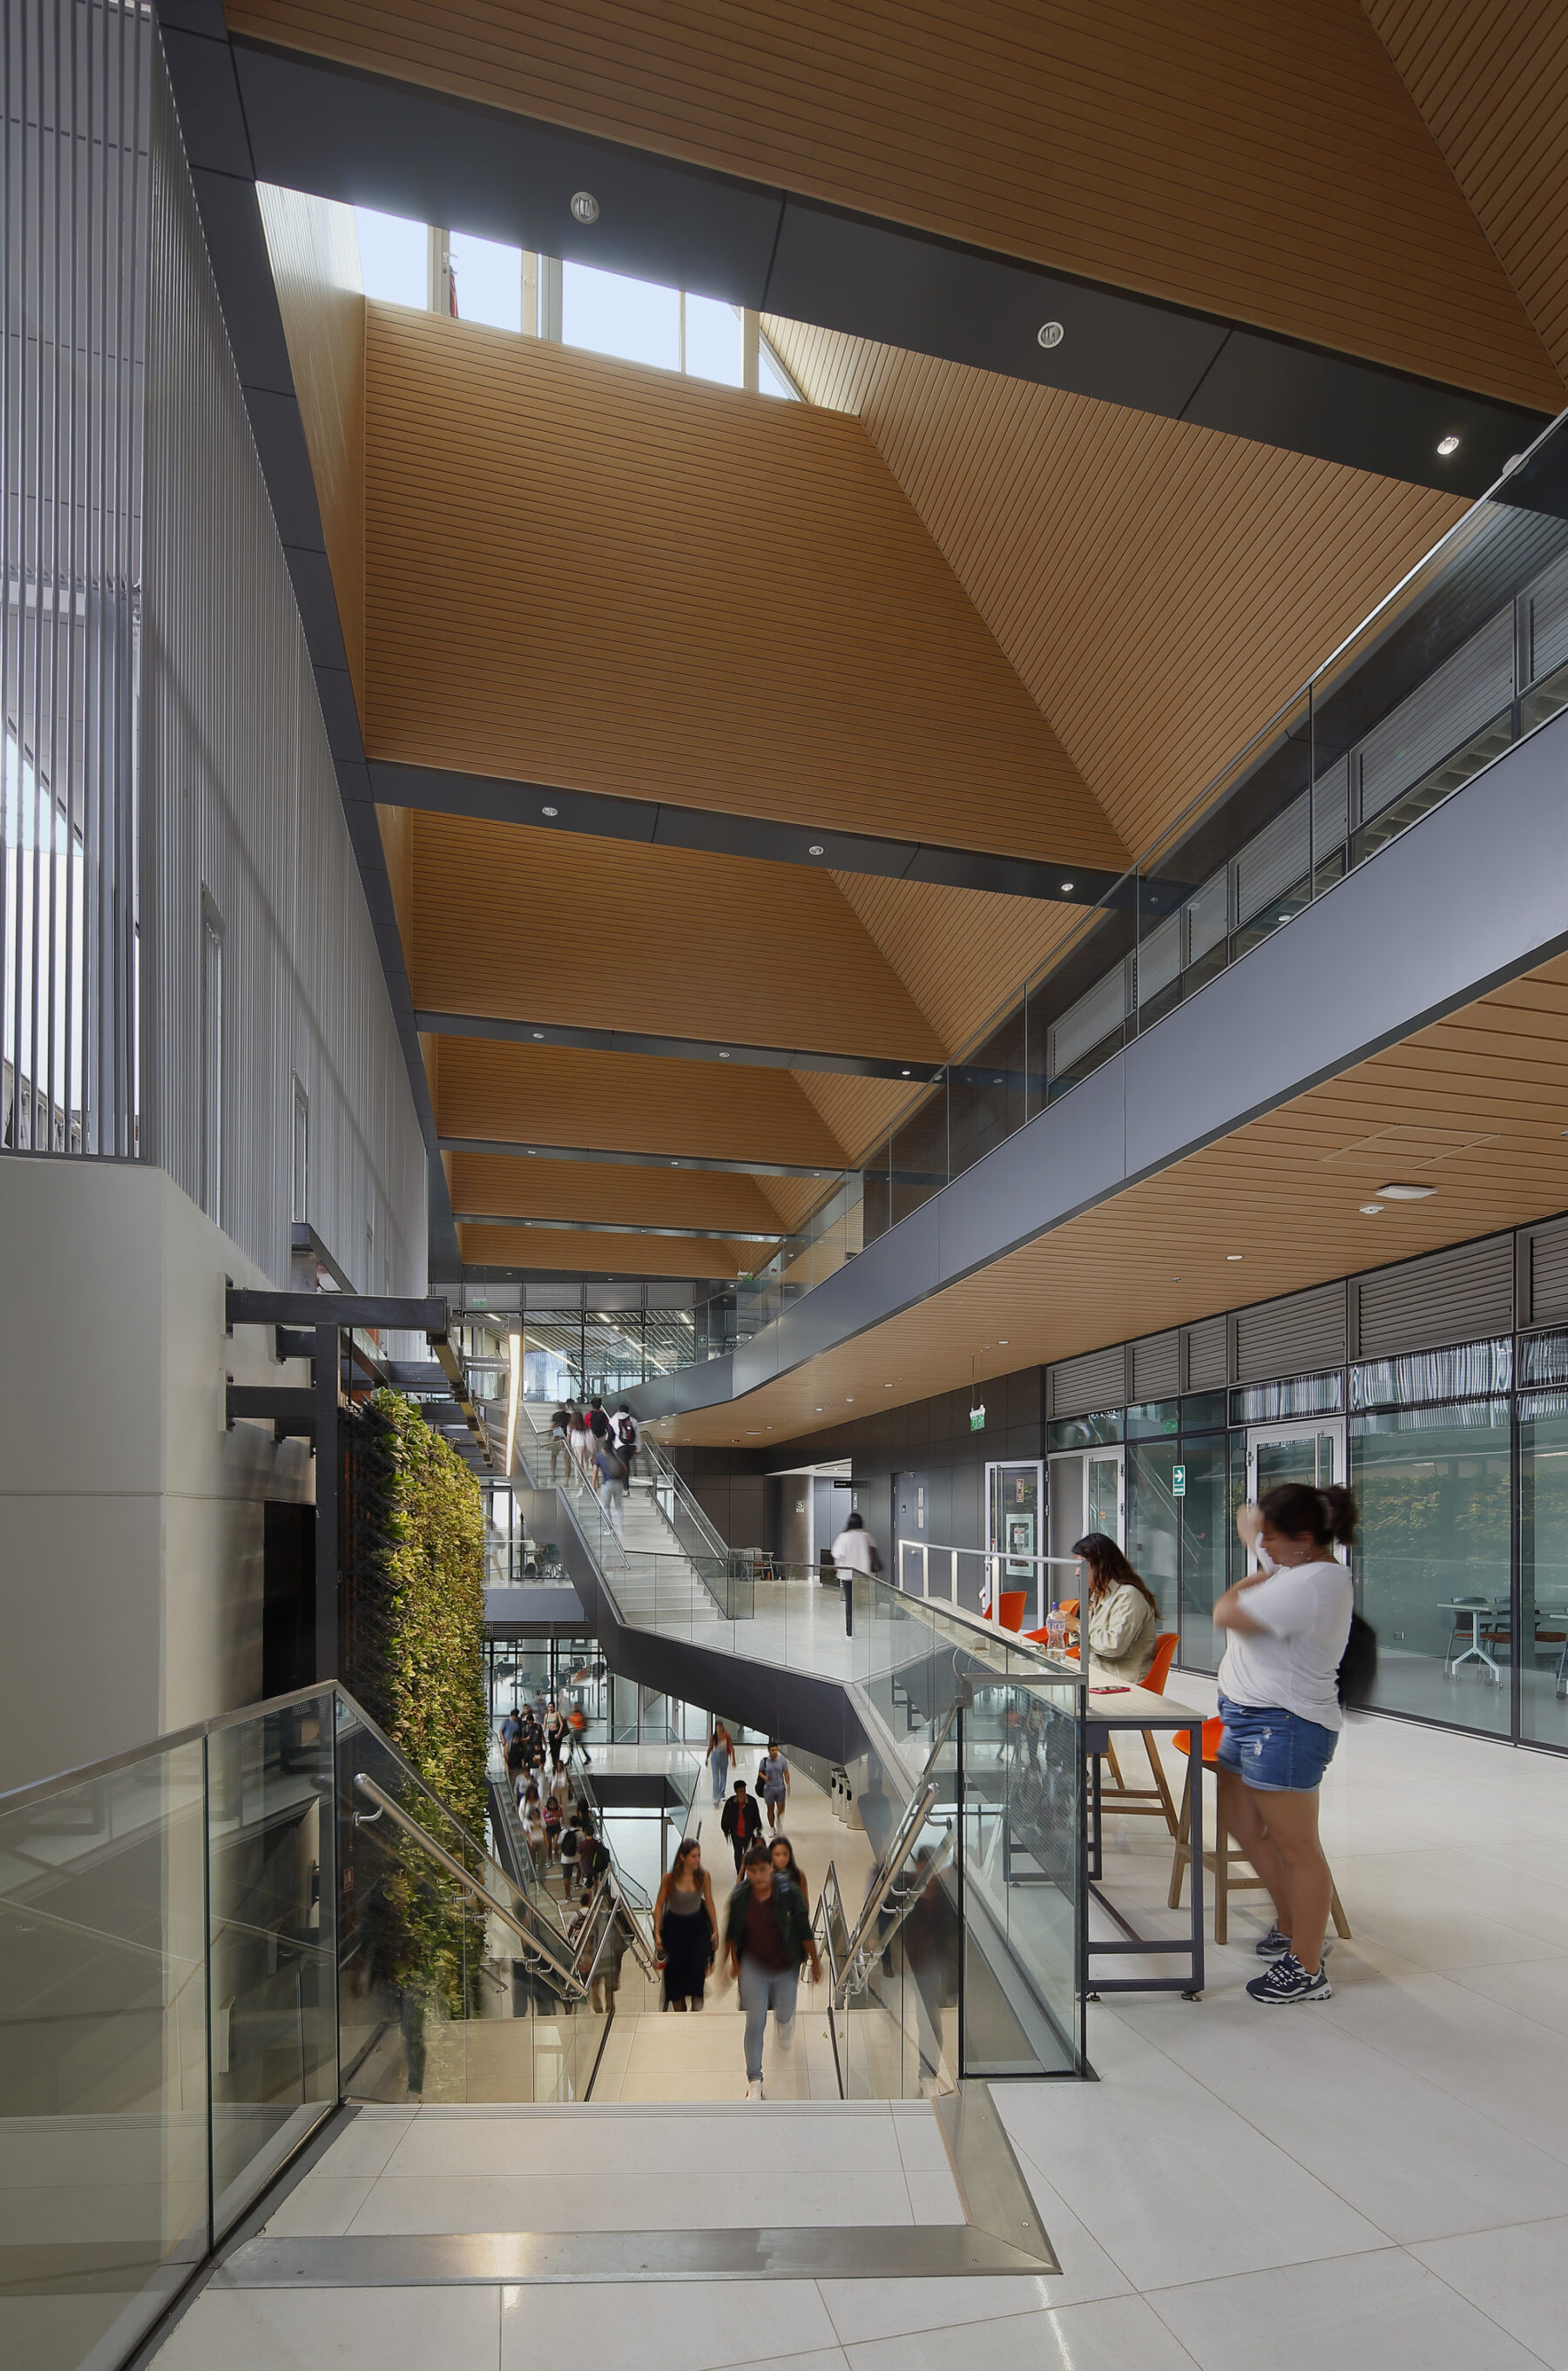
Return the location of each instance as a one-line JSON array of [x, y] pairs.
[[721, 1749], [742, 1822], [767, 1933], [611, 1469], [773, 1777], [686, 1930], [560, 1426]]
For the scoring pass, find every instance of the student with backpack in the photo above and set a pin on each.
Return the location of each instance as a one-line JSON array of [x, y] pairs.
[[552, 1824], [627, 1435]]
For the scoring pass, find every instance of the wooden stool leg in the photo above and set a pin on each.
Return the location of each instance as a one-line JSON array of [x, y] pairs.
[[1341, 1924], [1162, 1784], [1181, 1856], [1221, 1880], [1115, 1765]]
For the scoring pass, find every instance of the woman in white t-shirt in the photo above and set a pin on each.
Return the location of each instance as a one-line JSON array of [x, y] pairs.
[[1286, 1626]]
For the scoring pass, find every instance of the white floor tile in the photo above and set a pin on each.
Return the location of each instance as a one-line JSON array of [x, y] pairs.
[[1380, 2312], [934, 2197], [309, 2330], [678, 2147], [1114, 2334], [686, 2325], [320, 2207], [367, 2145], [1518, 2277], [606, 2202]]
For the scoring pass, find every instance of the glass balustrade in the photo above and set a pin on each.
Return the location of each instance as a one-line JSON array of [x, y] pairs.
[[1464, 660]]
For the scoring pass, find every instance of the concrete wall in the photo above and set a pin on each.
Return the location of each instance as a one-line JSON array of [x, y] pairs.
[[131, 1520]]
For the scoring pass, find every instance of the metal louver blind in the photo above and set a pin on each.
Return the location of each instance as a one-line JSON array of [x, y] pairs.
[[1093, 1017], [1465, 692], [1159, 958], [1156, 1367], [1205, 1355], [1269, 863], [1331, 810], [1291, 1337], [1548, 598], [1098, 1380], [1548, 1274], [1208, 916], [1452, 1297]]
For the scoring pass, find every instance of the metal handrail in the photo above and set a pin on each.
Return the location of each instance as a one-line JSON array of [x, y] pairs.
[[904, 1834], [469, 1883], [855, 1975]]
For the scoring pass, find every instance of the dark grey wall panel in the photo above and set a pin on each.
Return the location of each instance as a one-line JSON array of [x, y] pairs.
[[1293, 1336], [1455, 1296]]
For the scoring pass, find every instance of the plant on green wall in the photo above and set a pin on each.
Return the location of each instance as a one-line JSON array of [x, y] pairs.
[[414, 1657]]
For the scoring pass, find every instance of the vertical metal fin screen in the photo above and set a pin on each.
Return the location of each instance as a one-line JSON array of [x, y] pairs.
[[76, 75]]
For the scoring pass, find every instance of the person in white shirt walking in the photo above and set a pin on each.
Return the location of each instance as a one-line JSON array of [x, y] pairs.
[[1286, 1628], [853, 1551]]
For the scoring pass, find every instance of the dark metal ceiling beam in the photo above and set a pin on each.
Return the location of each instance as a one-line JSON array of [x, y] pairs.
[[596, 815], [679, 1049], [619, 1227], [636, 1160], [342, 133]]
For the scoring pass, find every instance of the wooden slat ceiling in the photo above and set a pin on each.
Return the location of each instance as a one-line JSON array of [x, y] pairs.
[[1257, 159], [314, 249], [586, 573], [497, 1185], [1490, 80], [1161, 589], [1474, 1105], [625, 1103], [565, 1253], [613, 934]]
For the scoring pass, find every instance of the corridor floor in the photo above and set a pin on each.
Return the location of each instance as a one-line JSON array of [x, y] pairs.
[[1376, 2184]]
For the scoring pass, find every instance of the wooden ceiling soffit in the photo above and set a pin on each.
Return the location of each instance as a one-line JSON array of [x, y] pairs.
[[616, 1104], [584, 571], [1473, 1102], [596, 816], [578, 1249], [681, 1049], [669, 936], [1292, 264], [594, 1193]]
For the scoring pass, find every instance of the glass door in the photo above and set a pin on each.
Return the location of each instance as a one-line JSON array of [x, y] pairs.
[[1014, 1502], [1087, 1494], [1311, 1451]]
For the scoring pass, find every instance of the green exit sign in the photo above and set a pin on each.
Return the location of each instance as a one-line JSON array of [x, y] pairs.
[[977, 1418], [1179, 1481]]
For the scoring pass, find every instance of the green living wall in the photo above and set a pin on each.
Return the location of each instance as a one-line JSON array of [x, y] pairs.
[[414, 1599]]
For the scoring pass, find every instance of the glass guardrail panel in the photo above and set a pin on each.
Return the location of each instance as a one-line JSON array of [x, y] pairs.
[[1020, 1774], [900, 2038], [406, 1938], [103, 2057], [272, 1944]]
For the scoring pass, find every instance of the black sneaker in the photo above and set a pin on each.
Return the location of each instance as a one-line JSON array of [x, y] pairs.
[[1273, 1945], [1288, 1980]]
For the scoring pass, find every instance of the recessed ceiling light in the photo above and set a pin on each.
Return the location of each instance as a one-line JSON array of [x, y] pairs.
[[724, 1057], [1049, 334], [849, 1401], [551, 811], [1406, 1193], [818, 1411], [905, 1074], [538, 1034], [1002, 1340], [1233, 1255], [1370, 1209], [814, 849], [1066, 884], [1447, 444], [887, 1387]]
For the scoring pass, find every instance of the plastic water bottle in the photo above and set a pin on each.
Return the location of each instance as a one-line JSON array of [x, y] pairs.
[[1056, 1632]]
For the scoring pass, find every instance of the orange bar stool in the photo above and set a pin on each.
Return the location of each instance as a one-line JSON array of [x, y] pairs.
[[1148, 1803], [1225, 1856], [1010, 1608]]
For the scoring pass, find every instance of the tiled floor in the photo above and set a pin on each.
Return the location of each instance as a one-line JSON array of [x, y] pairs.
[[1375, 2185]]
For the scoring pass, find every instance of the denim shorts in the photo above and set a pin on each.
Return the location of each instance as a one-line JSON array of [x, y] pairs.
[[1274, 1751]]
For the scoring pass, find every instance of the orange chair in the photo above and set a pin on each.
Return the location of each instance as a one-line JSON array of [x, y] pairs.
[[1146, 1802], [1225, 1856], [1010, 1608]]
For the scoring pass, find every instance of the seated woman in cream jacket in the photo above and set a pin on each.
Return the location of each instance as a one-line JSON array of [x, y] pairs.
[[1117, 1614]]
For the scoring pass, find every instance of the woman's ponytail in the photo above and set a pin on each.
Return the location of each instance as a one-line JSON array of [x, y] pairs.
[[1340, 1509], [1327, 1516]]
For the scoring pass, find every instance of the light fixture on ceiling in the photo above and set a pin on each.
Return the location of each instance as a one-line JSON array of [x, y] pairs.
[[818, 1411], [533, 1152], [1406, 1193], [1002, 1340], [1049, 334], [539, 1036], [1447, 444], [723, 1057], [584, 207], [849, 1399], [1370, 1209], [1065, 887], [904, 1074], [814, 849], [550, 812], [887, 1387], [1233, 1255]]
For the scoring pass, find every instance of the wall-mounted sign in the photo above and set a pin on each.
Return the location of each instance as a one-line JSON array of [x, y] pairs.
[[1179, 1481]]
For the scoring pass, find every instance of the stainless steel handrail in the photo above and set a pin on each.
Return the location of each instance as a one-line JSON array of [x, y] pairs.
[[855, 1972], [903, 1836], [471, 1884]]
